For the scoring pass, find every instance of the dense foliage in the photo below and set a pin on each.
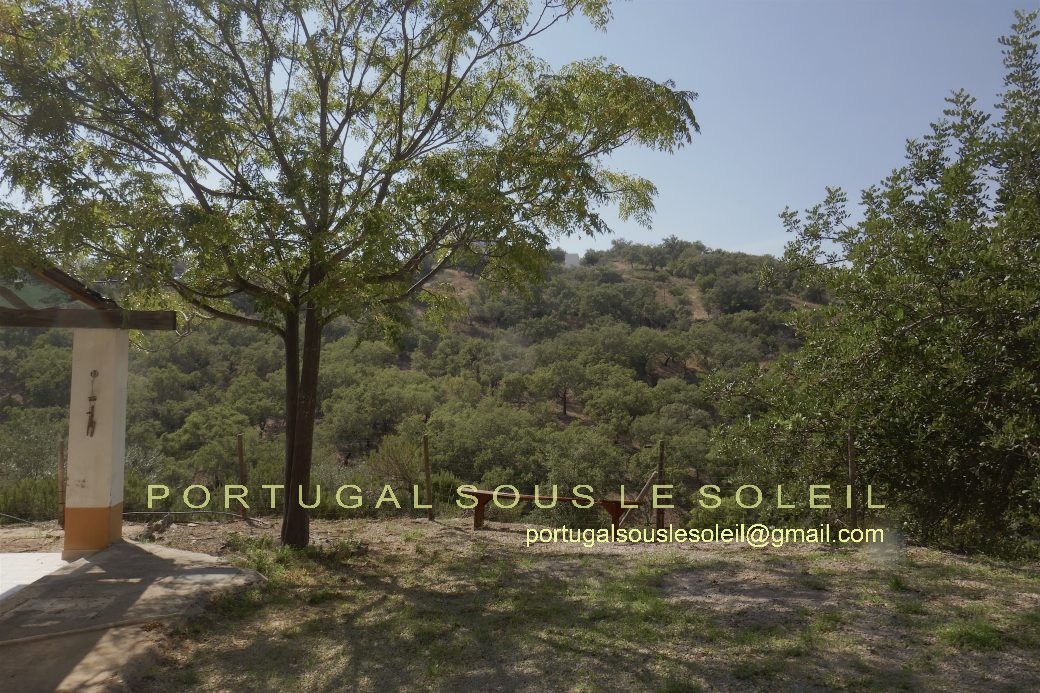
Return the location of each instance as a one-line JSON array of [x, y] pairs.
[[567, 384], [925, 369]]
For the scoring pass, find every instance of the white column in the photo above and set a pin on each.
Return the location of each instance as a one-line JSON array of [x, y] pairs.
[[97, 443]]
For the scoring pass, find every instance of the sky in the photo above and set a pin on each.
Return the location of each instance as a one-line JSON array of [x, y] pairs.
[[793, 96]]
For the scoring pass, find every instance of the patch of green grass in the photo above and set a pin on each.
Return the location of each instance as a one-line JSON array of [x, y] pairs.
[[912, 606], [972, 634], [807, 641], [241, 603], [760, 635], [829, 619], [922, 661], [872, 599], [413, 535], [237, 542], [261, 554], [271, 563], [819, 556], [801, 646], [763, 667], [1026, 628], [338, 552], [525, 562], [897, 583], [637, 593]]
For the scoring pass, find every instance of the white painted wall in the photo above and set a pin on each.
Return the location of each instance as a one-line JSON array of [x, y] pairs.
[[95, 463]]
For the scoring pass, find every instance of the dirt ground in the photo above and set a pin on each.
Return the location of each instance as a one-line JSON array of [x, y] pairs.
[[382, 605]]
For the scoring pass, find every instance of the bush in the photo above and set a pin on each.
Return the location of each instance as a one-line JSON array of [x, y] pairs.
[[29, 499]]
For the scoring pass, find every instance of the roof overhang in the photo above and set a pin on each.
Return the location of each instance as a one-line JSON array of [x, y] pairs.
[[100, 312], [89, 318]]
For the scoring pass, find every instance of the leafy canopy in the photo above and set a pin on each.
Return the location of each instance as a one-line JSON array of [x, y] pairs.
[[327, 154], [930, 353]]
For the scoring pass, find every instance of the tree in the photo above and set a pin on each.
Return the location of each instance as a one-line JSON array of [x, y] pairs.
[[46, 372], [652, 256], [373, 407], [734, 293], [281, 164], [673, 247], [644, 345], [26, 438], [398, 461], [253, 398], [615, 397], [559, 380], [925, 366], [205, 444], [513, 387]]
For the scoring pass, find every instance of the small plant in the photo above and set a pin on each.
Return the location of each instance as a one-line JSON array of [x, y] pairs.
[[336, 553], [261, 554], [897, 583]]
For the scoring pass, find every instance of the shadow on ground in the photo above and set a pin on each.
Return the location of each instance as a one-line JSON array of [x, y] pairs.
[[91, 622]]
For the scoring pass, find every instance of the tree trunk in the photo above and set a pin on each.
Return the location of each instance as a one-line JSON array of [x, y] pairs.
[[296, 525], [292, 387]]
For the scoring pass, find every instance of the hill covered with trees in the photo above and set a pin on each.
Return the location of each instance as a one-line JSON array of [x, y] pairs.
[[733, 360], [566, 383]]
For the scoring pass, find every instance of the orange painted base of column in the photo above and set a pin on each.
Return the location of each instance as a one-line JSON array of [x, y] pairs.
[[92, 529]]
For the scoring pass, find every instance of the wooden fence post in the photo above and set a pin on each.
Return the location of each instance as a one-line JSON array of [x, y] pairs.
[[243, 477], [61, 483], [429, 480], [660, 479]]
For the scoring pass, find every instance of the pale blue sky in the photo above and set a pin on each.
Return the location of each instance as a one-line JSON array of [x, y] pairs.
[[795, 95]]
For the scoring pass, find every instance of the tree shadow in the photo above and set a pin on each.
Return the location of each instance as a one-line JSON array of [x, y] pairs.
[[498, 620], [76, 618]]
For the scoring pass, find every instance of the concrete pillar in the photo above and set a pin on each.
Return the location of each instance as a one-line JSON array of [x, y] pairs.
[[94, 504]]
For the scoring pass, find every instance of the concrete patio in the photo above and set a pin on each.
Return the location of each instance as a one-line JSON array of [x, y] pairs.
[[93, 621], [20, 569]]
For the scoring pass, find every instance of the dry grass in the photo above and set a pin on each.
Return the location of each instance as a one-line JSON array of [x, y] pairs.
[[405, 603]]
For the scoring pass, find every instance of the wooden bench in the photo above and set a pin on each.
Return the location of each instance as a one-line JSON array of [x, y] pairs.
[[618, 514]]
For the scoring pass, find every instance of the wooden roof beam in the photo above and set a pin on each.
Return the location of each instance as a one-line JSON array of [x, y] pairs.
[[89, 318]]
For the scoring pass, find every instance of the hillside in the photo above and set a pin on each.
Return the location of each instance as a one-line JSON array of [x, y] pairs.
[[572, 378]]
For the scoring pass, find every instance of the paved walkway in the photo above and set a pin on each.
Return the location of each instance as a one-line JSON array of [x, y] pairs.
[[92, 622], [20, 569]]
